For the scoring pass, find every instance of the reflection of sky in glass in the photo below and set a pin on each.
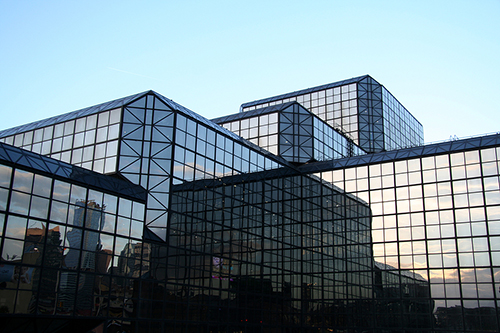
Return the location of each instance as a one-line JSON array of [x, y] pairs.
[[431, 210]]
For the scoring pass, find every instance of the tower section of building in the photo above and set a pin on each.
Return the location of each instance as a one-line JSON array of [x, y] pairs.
[[291, 132], [361, 108]]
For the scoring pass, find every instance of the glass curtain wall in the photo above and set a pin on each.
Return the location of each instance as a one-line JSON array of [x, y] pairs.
[[162, 147], [438, 219], [90, 142], [292, 132], [267, 252], [337, 106], [361, 108], [67, 251]]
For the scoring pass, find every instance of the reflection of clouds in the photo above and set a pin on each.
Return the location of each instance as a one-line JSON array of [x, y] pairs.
[[485, 290], [19, 202], [420, 261], [61, 191], [497, 275], [451, 275], [58, 213], [106, 242], [467, 275], [16, 232], [23, 181], [483, 275], [5, 173]]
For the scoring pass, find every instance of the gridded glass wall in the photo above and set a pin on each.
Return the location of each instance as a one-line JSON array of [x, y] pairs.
[[337, 106], [67, 250], [261, 252], [293, 133], [90, 142], [401, 129], [296, 136], [438, 218], [161, 147], [329, 144], [260, 130], [363, 110]]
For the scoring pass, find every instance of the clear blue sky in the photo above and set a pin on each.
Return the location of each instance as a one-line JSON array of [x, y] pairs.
[[441, 59]]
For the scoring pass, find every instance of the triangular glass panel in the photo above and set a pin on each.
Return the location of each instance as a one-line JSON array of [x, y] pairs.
[[133, 177], [130, 164], [159, 105], [153, 215], [14, 155], [161, 150], [140, 103], [150, 235], [131, 148], [133, 116], [161, 182], [162, 134], [133, 131], [160, 232], [161, 197], [304, 118], [286, 117], [153, 204], [163, 118], [159, 167]]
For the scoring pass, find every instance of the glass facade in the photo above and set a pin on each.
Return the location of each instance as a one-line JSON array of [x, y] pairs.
[[437, 218], [139, 215], [64, 246], [292, 132], [361, 108]]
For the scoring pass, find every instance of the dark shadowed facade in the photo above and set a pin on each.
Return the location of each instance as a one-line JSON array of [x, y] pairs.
[[314, 211]]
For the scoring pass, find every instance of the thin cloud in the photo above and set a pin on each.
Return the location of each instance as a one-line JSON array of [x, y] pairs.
[[119, 70]]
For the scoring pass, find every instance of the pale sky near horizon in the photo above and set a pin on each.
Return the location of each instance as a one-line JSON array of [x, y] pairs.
[[440, 59]]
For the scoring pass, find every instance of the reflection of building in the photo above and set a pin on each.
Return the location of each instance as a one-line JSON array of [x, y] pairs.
[[133, 260], [403, 298], [83, 241], [316, 210], [47, 242], [89, 215]]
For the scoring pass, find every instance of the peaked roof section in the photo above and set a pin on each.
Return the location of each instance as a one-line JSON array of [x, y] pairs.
[[72, 115], [96, 109], [305, 91], [127, 100], [253, 113]]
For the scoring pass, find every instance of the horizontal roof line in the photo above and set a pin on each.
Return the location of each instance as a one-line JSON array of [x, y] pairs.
[[304, 91]]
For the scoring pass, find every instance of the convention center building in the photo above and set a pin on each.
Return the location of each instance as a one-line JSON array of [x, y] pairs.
[[319, 210]]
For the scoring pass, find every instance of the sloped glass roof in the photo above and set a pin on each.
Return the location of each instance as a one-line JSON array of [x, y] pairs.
[[130, 99], [253, 113], [23, 159], [305, 91], [72, 115]]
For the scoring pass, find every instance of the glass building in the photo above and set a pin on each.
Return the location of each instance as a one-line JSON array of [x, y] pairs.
[[314, 211]]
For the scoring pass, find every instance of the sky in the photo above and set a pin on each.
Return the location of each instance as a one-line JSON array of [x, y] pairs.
[[439, 58]]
